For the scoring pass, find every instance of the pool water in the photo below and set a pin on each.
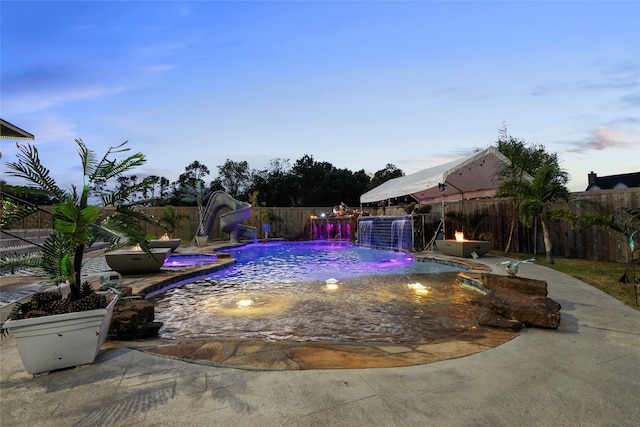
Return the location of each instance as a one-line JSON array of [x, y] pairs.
[[318, 291], [289, 262], [185, 260]]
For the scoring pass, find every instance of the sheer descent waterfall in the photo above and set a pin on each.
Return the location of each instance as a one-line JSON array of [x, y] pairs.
[[399, 240], [364, 232], [393, 232]]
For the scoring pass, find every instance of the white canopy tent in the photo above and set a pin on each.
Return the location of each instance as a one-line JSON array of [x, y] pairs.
[[471, 177]]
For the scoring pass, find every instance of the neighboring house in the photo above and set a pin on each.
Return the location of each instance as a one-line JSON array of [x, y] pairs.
[[8, 130], [613, 182]]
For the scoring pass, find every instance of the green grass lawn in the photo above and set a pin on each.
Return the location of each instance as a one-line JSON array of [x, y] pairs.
[[599, 274]]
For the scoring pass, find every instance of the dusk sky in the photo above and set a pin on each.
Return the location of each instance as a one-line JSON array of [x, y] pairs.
[[358, 84]]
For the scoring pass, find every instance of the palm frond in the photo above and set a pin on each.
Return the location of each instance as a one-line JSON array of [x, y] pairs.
[[123, 195], [124, 226], [105, 160], [117, 168], [29, 167], [53, 251], [45, 264], [107, 169], [11, 216], [625, 221], [10, 262], [88, 158], [75, 222]]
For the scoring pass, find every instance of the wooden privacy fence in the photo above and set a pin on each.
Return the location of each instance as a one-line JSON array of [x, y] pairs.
[[592, 242]]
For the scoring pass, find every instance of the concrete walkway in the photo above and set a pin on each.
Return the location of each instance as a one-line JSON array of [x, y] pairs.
[[584, 374]]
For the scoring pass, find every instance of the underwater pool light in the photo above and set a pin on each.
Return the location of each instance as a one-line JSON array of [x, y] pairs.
[[332, 284], [245, 303], [418, 288]]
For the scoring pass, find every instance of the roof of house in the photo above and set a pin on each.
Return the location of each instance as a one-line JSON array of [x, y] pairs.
[[9, 130], [625, 180]]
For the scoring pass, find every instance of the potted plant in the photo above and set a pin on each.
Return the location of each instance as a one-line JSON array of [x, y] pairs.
[[200, 194], [192, 188], [170, 221], [53, 330]]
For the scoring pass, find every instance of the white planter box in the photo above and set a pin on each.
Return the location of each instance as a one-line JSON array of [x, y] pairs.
[[62, 340]]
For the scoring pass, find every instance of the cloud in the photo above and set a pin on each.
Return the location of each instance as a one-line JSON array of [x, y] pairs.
[[28, 102], [618, 77], [605, 138], [51, 128], [631, 100], [157, 68]]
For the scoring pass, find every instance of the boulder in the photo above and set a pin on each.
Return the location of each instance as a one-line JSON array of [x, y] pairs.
[[519, 284], [487, 317], [123, 321], [134, 319], [530, 310]]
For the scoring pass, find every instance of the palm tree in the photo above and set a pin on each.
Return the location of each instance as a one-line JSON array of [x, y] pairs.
[[77, 223], [540, 196], [513, 176], [525, 161]]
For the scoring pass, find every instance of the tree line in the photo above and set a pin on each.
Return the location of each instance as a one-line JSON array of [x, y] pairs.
[[303, 183], [534, 180]]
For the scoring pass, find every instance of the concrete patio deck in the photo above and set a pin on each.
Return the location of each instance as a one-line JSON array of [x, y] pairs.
[[585, 373]]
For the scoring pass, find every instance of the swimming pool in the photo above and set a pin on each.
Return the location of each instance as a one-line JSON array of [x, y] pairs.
[[319, 291], [177, 261], [289, 262]]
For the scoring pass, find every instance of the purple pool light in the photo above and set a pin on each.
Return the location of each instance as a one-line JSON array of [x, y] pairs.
[[187, 260]]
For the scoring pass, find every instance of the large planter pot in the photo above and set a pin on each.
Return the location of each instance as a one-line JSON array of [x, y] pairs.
[[62, 340], [126, 261], [202, 240]]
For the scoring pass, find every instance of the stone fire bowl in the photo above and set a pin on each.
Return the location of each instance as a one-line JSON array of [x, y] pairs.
[[165, 243], [126, 261], [464, 249]]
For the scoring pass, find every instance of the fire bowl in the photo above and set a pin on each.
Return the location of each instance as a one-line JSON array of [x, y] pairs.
[[465, 248], [126, 261], [165, 243]]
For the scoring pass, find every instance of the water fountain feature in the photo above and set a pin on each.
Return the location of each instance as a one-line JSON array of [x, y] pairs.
[[399, 238], [364, 232], [331, 228], [393, 232]]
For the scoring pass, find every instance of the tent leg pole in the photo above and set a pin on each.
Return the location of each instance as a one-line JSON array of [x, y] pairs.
[[442, 186]]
